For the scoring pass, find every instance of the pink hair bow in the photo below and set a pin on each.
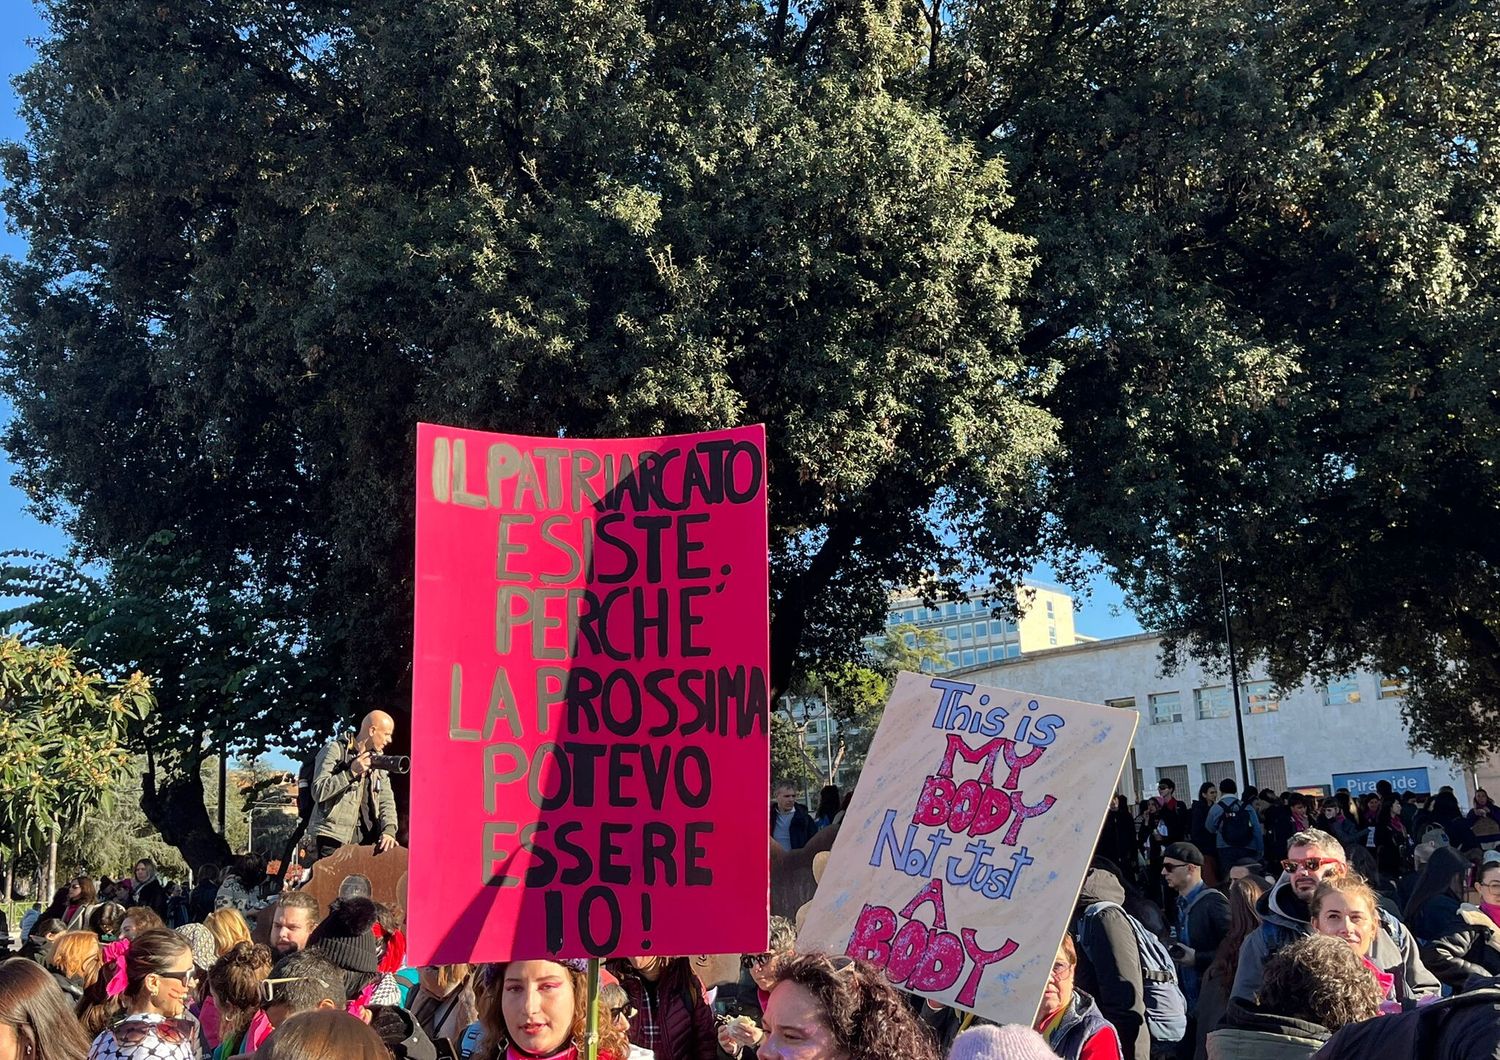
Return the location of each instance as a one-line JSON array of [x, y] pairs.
[[116, 951]]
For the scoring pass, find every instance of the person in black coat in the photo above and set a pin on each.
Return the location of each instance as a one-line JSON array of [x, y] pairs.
[[149, 891], [1109, 963], [1201, 837], [1463, 1027], [1466, 948], [1117, 837]]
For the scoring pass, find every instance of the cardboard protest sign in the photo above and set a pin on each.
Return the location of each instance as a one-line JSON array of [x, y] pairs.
[[590, 697], [967, 839]]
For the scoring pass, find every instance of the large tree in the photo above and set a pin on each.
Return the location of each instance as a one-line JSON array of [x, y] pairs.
[[265, 239]]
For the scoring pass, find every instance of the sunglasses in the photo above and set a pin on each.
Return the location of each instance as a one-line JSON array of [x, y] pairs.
[[753, 960], [1309, 864], [189, 976], [626, 1011], [1170, 865]]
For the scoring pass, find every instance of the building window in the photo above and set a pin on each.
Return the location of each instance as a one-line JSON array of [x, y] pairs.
[[949, 610], [952, 633], [969, 657], [1176, 774], [1012, 650], [1214, 772], [1211, 701], [966, 632], [1392, 687], [1049, 608], [1128, 703], [1342, 691], [1166, 707], [983, 655], [1269, 773], [1260, 698], [952, 658]]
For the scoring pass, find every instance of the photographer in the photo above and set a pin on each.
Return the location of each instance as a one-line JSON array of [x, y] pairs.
[[352, 799]]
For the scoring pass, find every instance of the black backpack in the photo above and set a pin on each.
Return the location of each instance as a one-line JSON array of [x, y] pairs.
[[1235, 827]]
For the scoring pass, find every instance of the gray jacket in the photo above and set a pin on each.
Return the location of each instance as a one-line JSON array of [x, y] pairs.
[[337, 793], [1284, 917]]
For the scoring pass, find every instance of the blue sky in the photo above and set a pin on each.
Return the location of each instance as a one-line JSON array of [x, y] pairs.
[[1102, 615]]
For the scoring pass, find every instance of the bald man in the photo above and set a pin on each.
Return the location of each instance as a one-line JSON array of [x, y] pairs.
[[352, 802]]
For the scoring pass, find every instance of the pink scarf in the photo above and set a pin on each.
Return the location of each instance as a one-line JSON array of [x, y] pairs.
[[1491, 911], [1387, 984]]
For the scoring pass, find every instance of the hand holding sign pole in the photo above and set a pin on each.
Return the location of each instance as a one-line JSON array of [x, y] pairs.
[[967, 839], [590, 696]]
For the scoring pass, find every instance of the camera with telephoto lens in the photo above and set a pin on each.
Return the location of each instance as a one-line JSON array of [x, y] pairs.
[[391, 763]]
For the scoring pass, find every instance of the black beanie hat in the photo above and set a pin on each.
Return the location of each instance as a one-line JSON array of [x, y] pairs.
[[346, 936]]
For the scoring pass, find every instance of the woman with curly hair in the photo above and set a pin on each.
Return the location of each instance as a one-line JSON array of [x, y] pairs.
[[539, 1009], [834, 1008], [1312, 987]]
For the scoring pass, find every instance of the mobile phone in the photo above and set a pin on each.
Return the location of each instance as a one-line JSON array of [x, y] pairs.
[[1176, 949]]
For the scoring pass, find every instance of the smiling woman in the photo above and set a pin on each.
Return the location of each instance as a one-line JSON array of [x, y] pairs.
[[149, 978]]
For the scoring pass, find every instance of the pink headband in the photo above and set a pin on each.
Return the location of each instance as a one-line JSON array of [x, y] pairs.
[[116, 951]]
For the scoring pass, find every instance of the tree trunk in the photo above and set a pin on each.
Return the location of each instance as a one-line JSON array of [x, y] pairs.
[[172, 800]]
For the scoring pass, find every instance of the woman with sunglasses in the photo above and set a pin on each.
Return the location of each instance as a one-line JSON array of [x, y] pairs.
[[36, 1020], [138, 1005], [673, 1019], [616, 1009], [744, 1033], [1471, 948]]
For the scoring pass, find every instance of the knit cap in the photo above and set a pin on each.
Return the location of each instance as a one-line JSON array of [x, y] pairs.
[[1011, 1042], [201, 941], [346, 936]]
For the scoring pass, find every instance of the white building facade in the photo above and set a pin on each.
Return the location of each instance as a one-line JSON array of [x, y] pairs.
[[1313, 738]]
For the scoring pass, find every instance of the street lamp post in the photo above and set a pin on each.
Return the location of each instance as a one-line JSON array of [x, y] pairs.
[[1234, 678]]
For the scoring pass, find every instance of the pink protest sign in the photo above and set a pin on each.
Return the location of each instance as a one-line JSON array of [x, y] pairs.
[[590, 697]]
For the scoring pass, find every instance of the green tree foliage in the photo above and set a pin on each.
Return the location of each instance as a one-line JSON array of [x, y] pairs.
[[1179, 273], [849, 699], [1268, 239], [62, 738], [264, 240], [225, 653]]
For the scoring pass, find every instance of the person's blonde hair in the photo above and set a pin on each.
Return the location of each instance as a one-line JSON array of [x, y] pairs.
[[76, 955], [448, 976], [228, 927], [1349, 887], [324, 1032]]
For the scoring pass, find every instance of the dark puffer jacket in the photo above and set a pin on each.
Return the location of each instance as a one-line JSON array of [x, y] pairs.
[[1470, 949], [1463, 1027], [684, 1020]]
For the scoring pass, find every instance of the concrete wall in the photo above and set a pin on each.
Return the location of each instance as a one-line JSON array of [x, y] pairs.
[[1316, 741]]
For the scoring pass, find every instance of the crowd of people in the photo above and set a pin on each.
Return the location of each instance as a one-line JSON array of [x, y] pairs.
[[1254, 928]]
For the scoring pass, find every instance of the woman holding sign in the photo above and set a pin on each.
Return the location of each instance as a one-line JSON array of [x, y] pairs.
[[535, 1009]]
